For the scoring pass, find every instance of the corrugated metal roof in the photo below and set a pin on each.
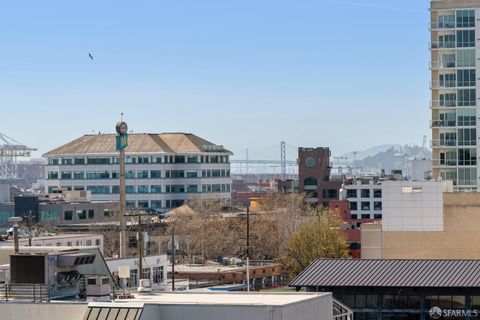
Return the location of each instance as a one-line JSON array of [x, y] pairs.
[[390, 273], [138, 143]]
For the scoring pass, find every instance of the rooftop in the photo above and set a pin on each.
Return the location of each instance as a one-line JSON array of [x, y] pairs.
[[390, 273], [260, 299], [138, 143]]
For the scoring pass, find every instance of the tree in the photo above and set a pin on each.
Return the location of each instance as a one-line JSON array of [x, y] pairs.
[[322, 238]]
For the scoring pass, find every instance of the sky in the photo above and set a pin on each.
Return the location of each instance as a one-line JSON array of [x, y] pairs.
[[246, 74]]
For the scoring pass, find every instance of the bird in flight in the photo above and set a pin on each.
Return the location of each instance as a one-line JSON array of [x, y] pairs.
[[90, 55]]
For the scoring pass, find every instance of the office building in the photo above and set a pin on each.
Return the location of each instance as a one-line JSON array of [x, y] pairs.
[[163, 170], [454, 92]]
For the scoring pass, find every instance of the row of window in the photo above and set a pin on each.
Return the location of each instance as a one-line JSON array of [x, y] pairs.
[[462, 157], [364, 193], [5, 215], [155, 274], [463, 78], [465, 177], [409, 301], [142, 189], [138, 160], [463, 19], [463, 58], [365, 216], [465, 137], [140, 174], [365, 206], [463, 98]]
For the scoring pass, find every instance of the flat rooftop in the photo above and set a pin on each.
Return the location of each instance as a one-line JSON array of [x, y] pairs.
[[260, 299], [209, 268]]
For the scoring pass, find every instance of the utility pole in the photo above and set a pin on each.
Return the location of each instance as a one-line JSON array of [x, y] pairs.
[[173, 256], [121, 144], [140, 245], [248, 248]]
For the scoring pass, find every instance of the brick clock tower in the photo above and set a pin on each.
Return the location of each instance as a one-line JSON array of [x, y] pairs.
[[314, 176]]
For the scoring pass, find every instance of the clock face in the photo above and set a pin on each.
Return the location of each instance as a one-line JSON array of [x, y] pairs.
[[310, 161]]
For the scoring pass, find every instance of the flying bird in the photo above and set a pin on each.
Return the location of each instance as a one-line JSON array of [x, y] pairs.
[[90, 55]]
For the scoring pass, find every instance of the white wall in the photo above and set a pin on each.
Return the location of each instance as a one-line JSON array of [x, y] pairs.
[[43, 311], [413, 205]]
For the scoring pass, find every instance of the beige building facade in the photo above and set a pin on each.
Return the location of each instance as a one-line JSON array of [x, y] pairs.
[[460, 238]]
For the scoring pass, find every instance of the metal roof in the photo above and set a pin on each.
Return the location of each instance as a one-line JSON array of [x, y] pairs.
[[389, 273]]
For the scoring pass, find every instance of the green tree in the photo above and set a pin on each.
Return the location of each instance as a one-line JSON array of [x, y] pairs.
[[321, 238]]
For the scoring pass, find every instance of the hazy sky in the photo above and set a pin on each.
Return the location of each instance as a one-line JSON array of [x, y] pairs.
[[348, 74]]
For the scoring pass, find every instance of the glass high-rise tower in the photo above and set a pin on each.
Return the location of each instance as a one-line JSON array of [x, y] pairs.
[[454, 86]]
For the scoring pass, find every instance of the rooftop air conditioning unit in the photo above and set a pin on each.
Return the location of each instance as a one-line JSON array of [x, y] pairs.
[[145, 286], [98, 286]]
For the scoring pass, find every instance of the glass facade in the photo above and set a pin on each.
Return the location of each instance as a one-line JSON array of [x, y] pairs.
[[454, 136]]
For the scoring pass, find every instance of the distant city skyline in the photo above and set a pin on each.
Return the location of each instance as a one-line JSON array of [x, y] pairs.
[[342, 74]]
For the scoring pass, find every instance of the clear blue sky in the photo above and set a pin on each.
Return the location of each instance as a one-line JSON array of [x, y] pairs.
[[348, 74]]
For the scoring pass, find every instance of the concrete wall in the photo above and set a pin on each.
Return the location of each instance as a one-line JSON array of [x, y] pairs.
[[43, 311], [413, 205]]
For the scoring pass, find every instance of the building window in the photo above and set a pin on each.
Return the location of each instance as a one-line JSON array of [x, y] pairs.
[[465, 19], [143, 160], [115, 189], [179, 159], [45, 215], [108, 213], [310, 181], [156, 159], [365, 205], [377, 193], [445, 302], [142, 189], [156, 204], [365, 193], [192, 159], [79, 175], [130, 175], [466, 39], [353, 206], [157, 274], [53, 161], [52, 175], [466, 117], [98, 242], [365, 216], [79, 160], [191, 174], [143, 174], [66, 175], [99, 160], [351, 193], [155, 174], [91, 214], [467, 157], [156, 189], [377, 206], [68, 215], [467, 176], [142, 204], [377, 216], [99, 189], [193, 188], [467, 137], [132, 281], [81, 214], [466, 78], [130, 189]]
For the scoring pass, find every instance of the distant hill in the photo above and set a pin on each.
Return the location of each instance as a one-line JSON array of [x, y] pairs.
[[387, 157]]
